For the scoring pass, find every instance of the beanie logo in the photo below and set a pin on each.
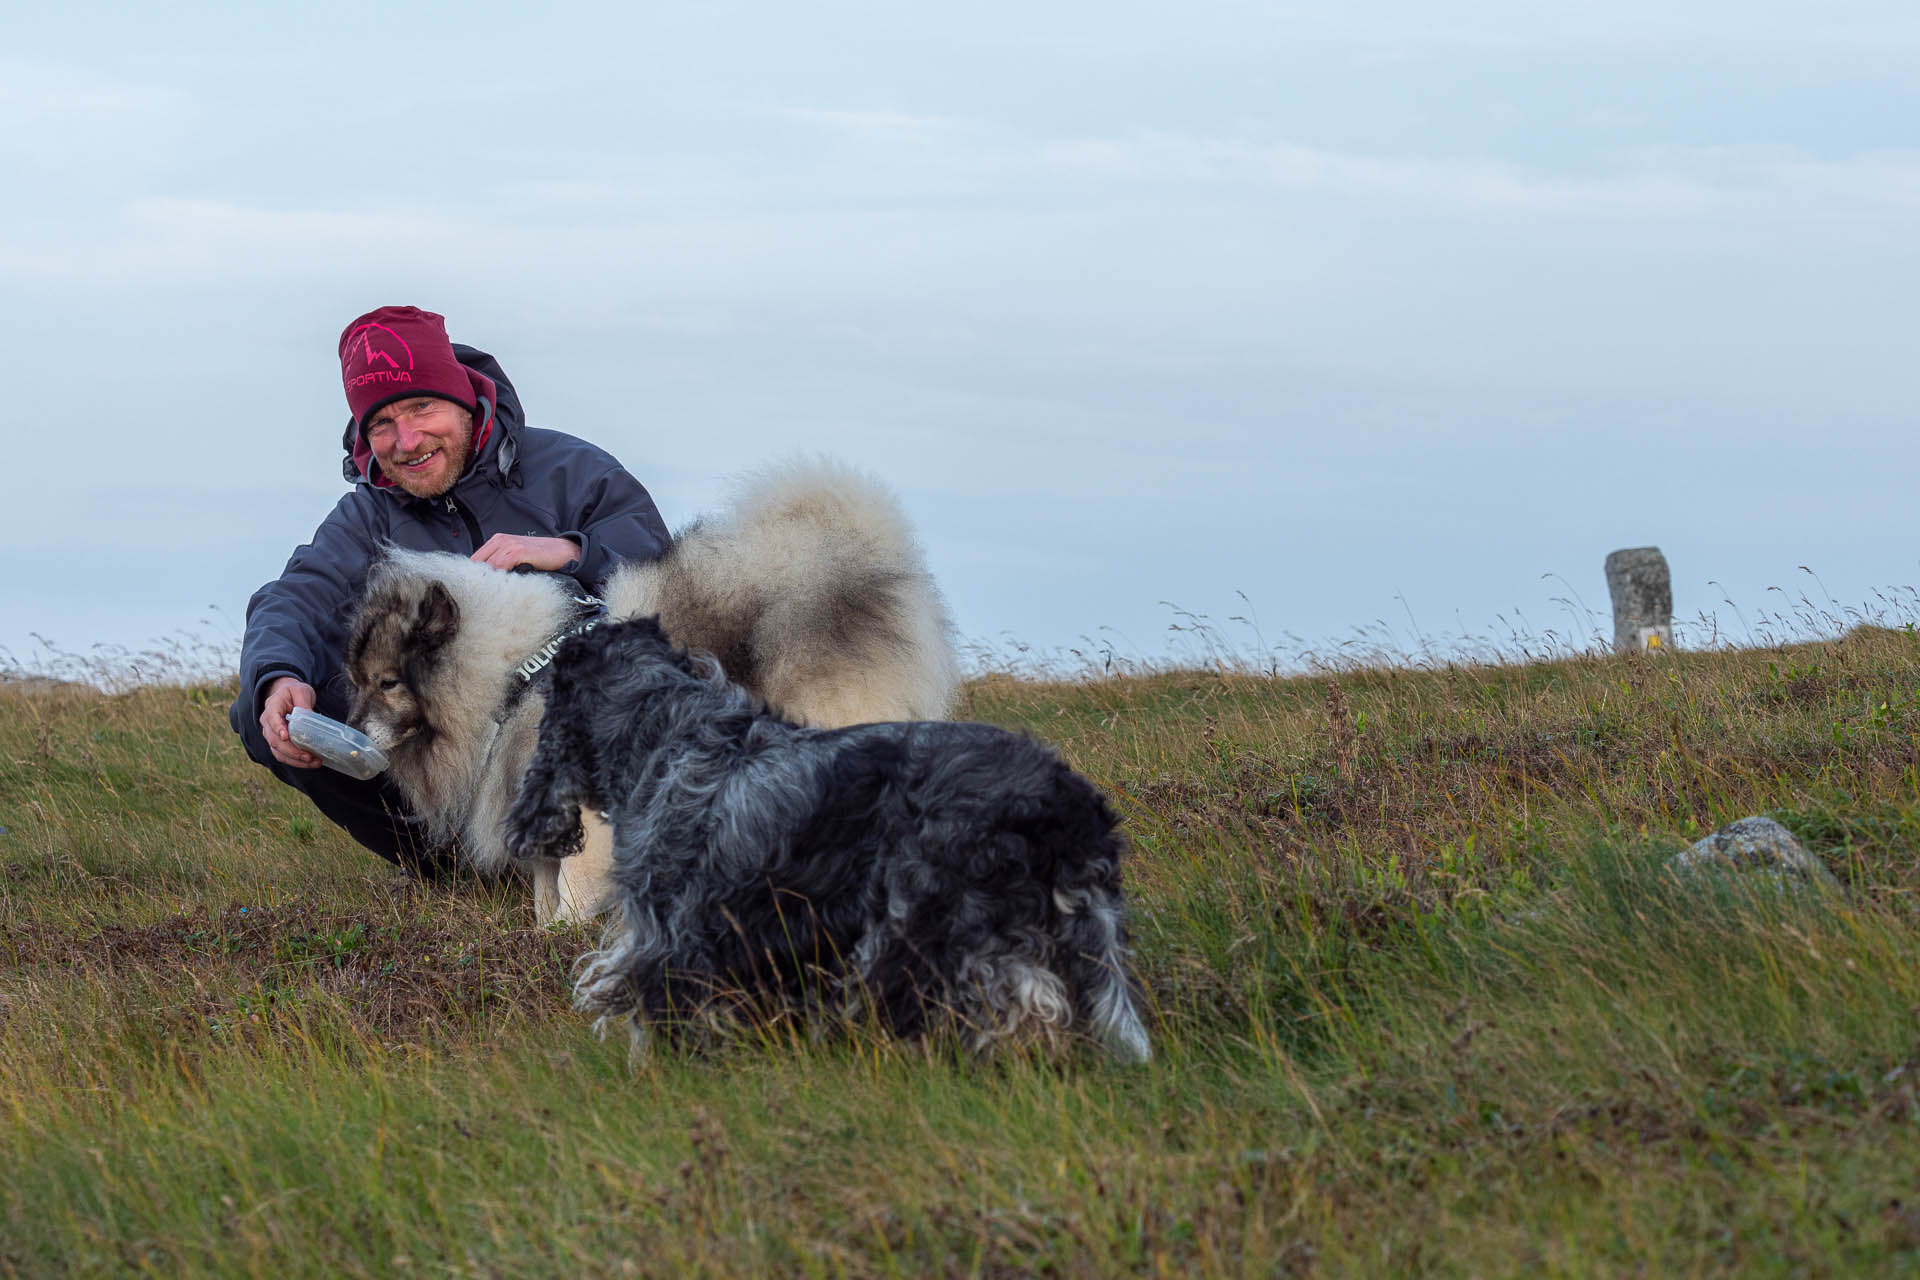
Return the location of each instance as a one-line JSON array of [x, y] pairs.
[[375, 354]]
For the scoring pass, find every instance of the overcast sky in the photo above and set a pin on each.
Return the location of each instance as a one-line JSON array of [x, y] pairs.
[[1318, 315]]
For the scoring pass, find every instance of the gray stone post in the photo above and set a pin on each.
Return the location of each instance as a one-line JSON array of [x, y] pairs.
[[1642, 600]]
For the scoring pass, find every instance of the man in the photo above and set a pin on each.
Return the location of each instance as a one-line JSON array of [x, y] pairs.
[[439, 459]]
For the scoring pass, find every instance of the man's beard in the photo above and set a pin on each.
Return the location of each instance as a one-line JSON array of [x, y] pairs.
[[450, 466]]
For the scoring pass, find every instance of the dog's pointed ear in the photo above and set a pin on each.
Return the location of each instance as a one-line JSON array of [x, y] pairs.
[[378, 604], [435, 621], [357, 643]]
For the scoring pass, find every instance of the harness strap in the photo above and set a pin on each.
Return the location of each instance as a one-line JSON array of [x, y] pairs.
[[592, 612]]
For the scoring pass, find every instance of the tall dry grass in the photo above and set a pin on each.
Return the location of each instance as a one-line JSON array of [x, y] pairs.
[[1426, 999]]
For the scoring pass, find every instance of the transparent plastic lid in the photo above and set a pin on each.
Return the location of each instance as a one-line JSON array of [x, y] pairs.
[[343, 747]]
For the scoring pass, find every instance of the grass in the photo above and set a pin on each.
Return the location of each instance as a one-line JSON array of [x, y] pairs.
[[1425, 1000]]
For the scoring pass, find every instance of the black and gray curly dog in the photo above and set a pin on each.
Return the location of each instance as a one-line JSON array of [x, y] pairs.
[[931, 872]]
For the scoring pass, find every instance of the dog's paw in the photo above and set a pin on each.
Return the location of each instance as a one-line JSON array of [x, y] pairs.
[[543, 831]]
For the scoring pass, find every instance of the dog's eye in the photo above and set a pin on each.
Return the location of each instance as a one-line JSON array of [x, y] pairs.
[[388, 683]]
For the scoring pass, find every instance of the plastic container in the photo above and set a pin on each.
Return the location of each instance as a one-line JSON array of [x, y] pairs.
[[343, 747]]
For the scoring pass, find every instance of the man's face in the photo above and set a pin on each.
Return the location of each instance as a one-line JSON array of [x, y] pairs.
[[421, 443]]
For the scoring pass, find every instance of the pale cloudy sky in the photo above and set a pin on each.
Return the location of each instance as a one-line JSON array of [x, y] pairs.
[[1377, 311]]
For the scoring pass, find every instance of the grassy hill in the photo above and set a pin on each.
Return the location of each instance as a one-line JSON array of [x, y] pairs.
[[1424, 996]]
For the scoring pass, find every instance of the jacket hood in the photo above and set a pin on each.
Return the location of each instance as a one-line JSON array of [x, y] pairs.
[[497, 421]]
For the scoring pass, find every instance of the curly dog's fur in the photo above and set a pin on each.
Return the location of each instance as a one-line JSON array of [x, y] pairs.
[[928, 871]]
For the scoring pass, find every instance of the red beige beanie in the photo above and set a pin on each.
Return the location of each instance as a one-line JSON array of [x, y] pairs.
[[396, 352]]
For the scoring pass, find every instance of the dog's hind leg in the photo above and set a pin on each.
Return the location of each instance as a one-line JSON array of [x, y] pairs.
[[892, 978], [1014, 996]]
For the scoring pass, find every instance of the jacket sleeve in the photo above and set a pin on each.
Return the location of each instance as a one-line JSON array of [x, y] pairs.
[[297, 624], [617, 523]]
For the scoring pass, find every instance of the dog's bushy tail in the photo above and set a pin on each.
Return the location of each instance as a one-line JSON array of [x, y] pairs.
[[1090, 924], [1093, 939], [812, 590]]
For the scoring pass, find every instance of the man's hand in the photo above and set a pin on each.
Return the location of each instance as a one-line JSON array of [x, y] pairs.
[[283, 695], [510, 550]]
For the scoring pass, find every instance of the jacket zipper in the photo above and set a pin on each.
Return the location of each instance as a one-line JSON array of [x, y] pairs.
[[473, 526]]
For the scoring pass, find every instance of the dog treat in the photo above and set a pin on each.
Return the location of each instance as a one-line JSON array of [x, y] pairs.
[[344, 748]]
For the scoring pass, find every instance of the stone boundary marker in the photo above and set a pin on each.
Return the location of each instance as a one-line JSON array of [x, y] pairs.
[[1642, 591]]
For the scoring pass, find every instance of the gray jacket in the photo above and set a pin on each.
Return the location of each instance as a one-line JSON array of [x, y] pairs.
[[522, 480]]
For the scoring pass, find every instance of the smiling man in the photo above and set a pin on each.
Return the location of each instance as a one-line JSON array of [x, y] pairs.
[[439, 459], [422, 444]]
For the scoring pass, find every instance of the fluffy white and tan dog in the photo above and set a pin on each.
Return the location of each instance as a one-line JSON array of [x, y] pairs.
[[810, 590]]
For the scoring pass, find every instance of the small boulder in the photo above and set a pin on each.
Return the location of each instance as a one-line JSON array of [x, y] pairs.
[[1755, 844]]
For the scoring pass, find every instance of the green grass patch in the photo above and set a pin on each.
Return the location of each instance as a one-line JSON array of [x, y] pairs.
[[1425, 999]]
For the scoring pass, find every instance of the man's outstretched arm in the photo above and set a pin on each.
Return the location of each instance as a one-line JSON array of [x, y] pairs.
[[297, 624]]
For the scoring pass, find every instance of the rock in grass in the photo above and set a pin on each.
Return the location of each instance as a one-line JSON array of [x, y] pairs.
[[1755, 844]]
